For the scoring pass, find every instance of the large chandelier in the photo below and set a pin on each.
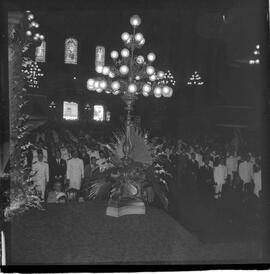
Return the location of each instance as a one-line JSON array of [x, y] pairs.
[[132, 75]]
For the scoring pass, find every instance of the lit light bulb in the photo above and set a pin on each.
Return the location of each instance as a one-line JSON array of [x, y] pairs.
[[140, 59], [103, 84], [257, 61], [30, 17], [132, 88], [99, 90], [142, 42], [36, 38], [146, 88], [37, 25], [29, 33], [114, 54], [157, 92], [105, 70], [125, 53], [150, 70], [160, 74], [145, 93], [41, 37], [99, 69], [115, 92], [258, 46], [37, 35], [115, 85], [151, 57], [96, 84], [137, 77], [124, 69], [125, 36], [107, 91], [170, 93], [251, 62], [111, 74], [165, 91], [135, 20], [153, 78], [138, 37]]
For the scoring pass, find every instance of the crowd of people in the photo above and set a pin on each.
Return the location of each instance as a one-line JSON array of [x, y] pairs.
[[62, 162]]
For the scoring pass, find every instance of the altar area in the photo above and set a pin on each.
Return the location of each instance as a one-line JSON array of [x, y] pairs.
[[81, 233]]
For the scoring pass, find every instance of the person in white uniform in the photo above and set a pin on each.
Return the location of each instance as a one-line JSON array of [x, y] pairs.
[[75, 171], [232, 165], [220, 175], [246, 172], [40, 169], [257, 178]]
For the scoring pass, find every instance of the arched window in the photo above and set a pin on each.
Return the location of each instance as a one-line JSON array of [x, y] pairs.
[[41, 52], [98, 113], [71, 51]]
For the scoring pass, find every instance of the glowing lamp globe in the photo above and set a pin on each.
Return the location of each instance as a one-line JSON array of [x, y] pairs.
[[99, 90], [150, 70], [145, 93], [125, 36], [142, 41], [132, 88], [168, 92], [99, 69], [90, 84], [103, 84], [107, 91], [257, 61], [135, 20], [114, 54], [138, 37], [29, 33], [96, 85], [115, 85], [125, 53], [151, 57], [165, 91], [124, 69], [153, 78], [111, 74], [158, 92], [36, 38], [36, 25], [160, 74], [105, 70], [140, 59], [115, 92], [30, 17], [146, 88], [41, 37]]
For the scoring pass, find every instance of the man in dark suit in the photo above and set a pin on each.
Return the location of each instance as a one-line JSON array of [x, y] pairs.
[[58, 168], [192, 173]]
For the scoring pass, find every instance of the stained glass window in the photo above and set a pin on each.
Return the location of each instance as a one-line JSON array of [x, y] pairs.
[[41, 52], [71, 51], [98, 113]]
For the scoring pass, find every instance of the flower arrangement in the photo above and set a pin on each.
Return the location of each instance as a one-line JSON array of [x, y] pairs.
[[137, 176]]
